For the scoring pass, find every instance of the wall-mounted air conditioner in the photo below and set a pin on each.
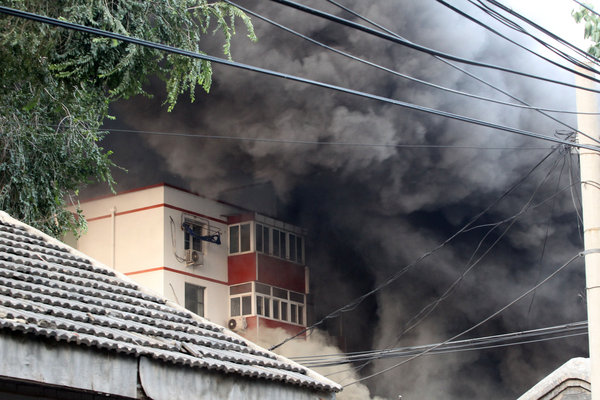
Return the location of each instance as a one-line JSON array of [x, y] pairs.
[[237, 324], [193, 257]]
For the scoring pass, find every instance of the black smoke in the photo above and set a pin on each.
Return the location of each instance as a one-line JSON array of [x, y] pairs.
[[372, 210]]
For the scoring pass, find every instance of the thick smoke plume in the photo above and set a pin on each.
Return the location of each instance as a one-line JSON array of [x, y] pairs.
[[372, 210]]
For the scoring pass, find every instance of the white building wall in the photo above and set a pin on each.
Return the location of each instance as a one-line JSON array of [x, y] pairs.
[[148, 243]]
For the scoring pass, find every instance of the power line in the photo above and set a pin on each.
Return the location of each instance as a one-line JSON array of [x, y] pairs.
[[587, 7], [394, 72], [515, 26], [479, 343], [499, 34], [318, 143], [427, 50], [464, 71], [483, 321], [471, 263], [357, 301], [187, 53], [537, 27]]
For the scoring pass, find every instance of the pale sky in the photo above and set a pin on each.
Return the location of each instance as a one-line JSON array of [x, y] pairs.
[[555, 15]]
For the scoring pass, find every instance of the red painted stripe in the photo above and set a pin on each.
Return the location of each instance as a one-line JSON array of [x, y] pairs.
[[221, 221], [177, 272]]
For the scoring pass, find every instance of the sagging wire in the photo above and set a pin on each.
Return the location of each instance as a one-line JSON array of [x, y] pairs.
[[174, 242], [462, 70], [475, 326], [192, 54], [357, 301], [397, 73], [422, 314]]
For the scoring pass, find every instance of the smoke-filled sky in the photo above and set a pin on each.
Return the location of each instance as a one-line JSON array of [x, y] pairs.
[[372, 210]]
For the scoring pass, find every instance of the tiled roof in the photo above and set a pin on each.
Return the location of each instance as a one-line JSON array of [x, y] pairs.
[[48, 289]]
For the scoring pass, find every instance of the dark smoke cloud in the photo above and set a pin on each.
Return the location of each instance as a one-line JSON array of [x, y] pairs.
[[372, 210]]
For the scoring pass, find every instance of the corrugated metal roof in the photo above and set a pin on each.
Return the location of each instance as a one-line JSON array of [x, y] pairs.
[[48, 289]]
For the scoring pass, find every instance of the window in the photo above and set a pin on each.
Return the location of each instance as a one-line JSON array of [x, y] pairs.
[[282, 241], [276, 243], [239, 238], [234, 239], [265, 240], [192, 232], [240, 301], [292, 247], [194, 298], [259, 237], [269, 301], [293, 313], [299, 247]]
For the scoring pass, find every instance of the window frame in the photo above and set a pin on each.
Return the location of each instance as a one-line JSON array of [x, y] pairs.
[[236, 246], [276, 242], [198, 289], [196, 244], [278, 304]]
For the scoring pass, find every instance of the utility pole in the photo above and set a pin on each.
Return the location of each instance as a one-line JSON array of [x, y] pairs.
[[589, 162]]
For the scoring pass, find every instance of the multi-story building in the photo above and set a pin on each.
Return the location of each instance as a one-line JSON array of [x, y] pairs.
[[231, 265]]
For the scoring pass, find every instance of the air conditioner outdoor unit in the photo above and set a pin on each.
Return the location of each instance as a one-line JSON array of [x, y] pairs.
[[193, 257], [237, 324]]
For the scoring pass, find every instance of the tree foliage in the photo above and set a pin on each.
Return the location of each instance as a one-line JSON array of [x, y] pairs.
[[592, 29], [56, 86]]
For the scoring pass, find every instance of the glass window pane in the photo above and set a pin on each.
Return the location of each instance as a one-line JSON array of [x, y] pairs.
[[292, 247], [235, 307], [238, 289], [301, 315], [245, 237], [259, 237], [246, 305], [284, 310], [266, 240], [293, 313], [194, 298], [266, 307], [281, 293], [234, 239], [282, 243], [276, 243], [299, 250], [262, 288], [191, 297], [275, 309], [259, 305], [297, 297]]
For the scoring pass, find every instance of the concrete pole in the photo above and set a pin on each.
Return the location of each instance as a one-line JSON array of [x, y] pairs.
[[590, 199]]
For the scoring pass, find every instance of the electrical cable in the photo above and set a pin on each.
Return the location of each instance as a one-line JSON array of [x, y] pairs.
[[394, 72], [494, 31], [541, 29], [175, 50], [429, 308], [545, 242], [313, 142], [483, 321], [319, 143], [587, 7], [458, 68], [515, 26], [427, 50], [354, 303], [187, 53], [548, 333]]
